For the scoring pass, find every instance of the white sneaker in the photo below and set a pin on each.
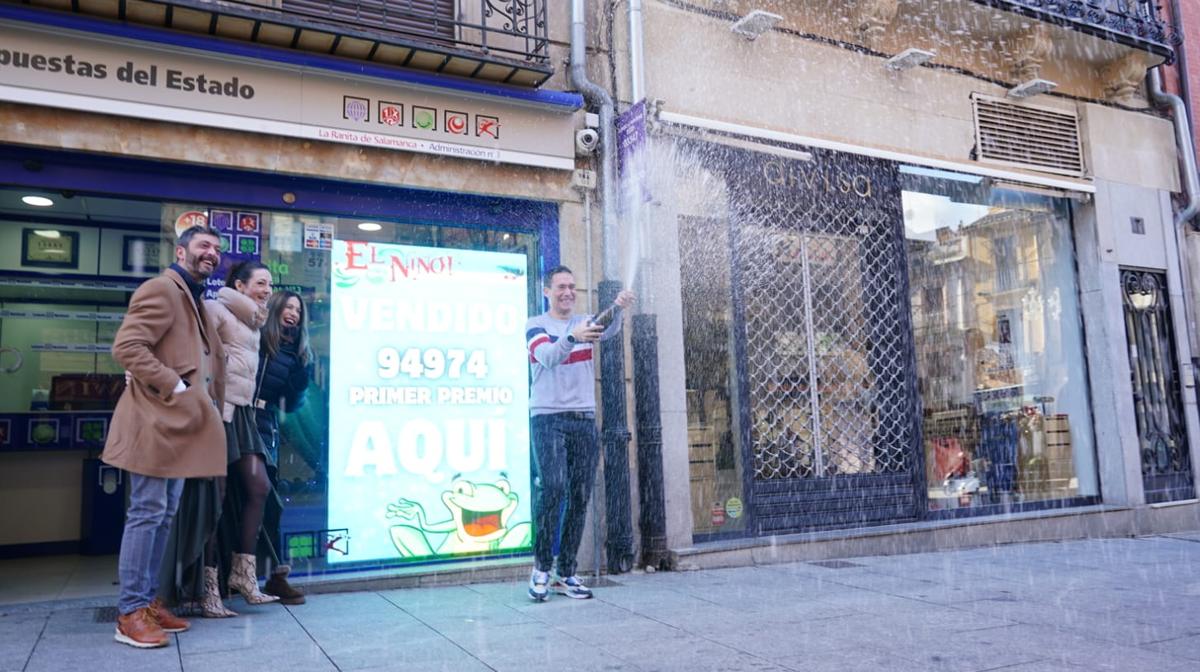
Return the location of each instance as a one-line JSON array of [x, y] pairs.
[[572, 586], [537, 585]]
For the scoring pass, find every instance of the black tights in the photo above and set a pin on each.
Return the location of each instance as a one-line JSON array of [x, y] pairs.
[[210, 545], [252, 473]]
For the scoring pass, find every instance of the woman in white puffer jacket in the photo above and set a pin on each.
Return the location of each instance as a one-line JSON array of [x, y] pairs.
[[238, 312]]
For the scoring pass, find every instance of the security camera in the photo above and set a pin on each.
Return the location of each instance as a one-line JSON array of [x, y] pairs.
[[586, 141]]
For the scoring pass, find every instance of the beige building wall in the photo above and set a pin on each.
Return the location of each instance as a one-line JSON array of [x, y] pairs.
[[793, 84], [789, 82]]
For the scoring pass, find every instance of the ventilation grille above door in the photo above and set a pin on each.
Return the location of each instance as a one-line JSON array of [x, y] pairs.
[[1027, 136]]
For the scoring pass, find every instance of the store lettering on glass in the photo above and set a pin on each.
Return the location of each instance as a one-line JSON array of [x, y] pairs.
[[421, 379], [787, 174], [367, 257], [429, 449]]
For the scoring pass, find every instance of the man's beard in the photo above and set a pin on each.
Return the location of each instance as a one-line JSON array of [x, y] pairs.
[[193, 264]]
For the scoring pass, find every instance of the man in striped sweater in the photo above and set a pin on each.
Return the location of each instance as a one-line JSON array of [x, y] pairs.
[[566, 445]]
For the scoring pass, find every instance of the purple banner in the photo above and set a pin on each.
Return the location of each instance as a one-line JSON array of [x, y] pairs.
[[631, 134]]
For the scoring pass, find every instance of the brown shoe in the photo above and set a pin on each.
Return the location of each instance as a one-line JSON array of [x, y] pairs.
[[278, 586], [139, 629], [166, 620]]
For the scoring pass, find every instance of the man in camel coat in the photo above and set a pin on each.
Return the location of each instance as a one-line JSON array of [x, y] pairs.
[[167, 424]]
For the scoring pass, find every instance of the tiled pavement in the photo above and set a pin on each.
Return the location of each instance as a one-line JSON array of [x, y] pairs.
[[1127, 605]]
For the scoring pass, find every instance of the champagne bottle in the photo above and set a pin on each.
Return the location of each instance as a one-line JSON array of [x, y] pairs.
[[606, 316]]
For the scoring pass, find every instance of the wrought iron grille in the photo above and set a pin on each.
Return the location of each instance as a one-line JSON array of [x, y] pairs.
[[1166, 467], [514, 28], [825, 355], [1136, 21]]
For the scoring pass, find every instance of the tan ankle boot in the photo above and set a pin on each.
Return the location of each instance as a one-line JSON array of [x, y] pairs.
[[243, 579], [211, 605]]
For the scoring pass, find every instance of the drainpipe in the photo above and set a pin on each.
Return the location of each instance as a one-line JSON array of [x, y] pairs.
[[1181, 62], [1183, 140], [637, 65], [615, 432], [1191, 205]]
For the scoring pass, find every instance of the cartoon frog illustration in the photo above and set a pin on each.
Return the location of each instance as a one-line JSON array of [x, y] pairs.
[[480, 517]]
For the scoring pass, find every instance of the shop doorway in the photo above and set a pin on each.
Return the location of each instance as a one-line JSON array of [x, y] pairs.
[[1162, 438], [829, 424]]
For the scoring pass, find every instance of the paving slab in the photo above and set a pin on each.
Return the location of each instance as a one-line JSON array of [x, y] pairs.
[[19, 633], [1094, 606]]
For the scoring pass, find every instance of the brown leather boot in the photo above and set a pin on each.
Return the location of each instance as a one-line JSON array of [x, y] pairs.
[[139, 629], [278, 585], [166, 620]]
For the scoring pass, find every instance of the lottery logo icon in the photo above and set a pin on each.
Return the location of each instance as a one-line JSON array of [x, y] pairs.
[[489, 126], [424, 118], [356, 109], [391, 114], [456, 122]]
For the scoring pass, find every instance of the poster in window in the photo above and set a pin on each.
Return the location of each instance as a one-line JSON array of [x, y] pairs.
[[221, 220], [140, 254], [248, 222], [50, 248]]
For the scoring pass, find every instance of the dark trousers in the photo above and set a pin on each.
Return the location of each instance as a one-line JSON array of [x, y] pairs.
[[566, 448]]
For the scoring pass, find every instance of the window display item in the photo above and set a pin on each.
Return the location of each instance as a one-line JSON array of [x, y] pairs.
[[15, 360]]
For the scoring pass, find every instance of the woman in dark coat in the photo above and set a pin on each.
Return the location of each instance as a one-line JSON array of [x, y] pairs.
[[284, 369]]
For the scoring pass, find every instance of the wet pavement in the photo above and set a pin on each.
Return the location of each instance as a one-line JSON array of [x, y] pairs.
[[1112, 604]]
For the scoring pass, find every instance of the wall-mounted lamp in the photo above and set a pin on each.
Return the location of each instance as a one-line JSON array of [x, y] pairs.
[[755, 23], [1031, 88], [909, 58]]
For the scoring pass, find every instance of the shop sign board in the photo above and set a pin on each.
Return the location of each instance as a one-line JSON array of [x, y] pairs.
[[429, 403], [631, 152], [631, 134], [83, 71]]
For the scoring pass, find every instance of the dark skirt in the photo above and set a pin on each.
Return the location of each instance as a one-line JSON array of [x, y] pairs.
[[181, 577], [242, 437]]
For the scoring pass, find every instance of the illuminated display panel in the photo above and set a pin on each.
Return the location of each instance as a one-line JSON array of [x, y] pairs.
[[428, 402]]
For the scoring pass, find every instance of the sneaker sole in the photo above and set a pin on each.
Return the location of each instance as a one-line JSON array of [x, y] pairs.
[[538, 598], [126, 639], [176, 631]]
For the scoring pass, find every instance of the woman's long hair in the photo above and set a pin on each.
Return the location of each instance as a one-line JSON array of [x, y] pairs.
[[272, 331]]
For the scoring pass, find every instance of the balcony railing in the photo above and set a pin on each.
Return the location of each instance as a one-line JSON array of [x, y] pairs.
[[511, 28], [1138, 23], [503, 41]]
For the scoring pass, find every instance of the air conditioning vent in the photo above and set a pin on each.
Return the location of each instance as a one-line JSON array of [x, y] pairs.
[[1027, 136]]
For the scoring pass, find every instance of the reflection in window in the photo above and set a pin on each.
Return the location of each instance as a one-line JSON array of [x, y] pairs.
[[714, 462], [999, 343]]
